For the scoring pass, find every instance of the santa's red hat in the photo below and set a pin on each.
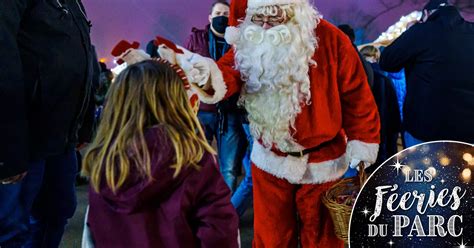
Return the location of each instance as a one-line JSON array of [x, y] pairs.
[[237, 11], [121, 47], [238, 8], [253, 4]]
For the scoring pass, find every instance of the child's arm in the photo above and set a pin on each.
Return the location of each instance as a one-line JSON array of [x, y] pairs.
[[217, 220]]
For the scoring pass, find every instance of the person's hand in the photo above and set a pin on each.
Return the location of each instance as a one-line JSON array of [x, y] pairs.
[[195, 66], [201, 72], [14, 179]]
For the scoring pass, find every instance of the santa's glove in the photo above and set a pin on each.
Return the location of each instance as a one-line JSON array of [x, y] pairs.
[[118, 69], [358, 151], [129, 57], [195, 66], [133, 56]]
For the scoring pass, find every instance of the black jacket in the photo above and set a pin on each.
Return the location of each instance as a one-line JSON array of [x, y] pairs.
[[438, 57], [47, 63]]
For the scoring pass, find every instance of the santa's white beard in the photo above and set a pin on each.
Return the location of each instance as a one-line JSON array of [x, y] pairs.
[[274, 64]]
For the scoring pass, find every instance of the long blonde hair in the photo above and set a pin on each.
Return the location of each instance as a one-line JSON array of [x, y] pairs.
[[144, 95]]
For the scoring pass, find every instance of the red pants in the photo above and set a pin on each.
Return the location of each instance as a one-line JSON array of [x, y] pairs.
[[276, 205]]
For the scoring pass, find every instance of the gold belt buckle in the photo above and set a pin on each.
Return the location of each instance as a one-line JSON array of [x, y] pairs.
[[301, 154]]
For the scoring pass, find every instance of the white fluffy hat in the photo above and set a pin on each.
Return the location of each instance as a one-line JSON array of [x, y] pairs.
[[260, 3]]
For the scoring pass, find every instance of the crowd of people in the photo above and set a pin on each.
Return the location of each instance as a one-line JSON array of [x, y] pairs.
[[288, 104]]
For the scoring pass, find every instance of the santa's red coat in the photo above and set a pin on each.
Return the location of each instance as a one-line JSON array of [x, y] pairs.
[[342, 110]]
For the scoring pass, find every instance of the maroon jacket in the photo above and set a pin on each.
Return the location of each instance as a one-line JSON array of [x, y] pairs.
[[198, 42], [191, 210]]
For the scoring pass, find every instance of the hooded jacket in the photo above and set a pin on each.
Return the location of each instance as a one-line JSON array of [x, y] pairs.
[[192, 209]]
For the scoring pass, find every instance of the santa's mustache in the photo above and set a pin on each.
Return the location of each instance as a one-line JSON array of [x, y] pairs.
[[276, 36]]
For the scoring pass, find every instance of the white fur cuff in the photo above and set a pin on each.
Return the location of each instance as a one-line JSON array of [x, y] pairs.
[[361, 151], [216, 82]]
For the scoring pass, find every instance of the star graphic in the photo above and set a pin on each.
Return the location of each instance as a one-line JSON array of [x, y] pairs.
[[392, 243], [397, 166], [365, 212], [443, 181], [462, 245]]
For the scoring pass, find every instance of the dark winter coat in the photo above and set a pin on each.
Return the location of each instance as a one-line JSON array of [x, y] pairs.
[[46, 67], [438, 57], [198, 42], [390, 123]]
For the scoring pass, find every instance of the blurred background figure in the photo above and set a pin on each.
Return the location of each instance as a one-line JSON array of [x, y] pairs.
[[223, 122], [437, 54], [349, 31], [387, 104]]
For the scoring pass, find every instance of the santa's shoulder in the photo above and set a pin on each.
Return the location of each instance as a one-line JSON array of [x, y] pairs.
[[328, 32]]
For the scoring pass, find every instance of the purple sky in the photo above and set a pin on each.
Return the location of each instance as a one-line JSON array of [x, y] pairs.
[[142, 20]]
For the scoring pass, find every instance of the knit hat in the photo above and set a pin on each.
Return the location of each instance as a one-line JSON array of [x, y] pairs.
[[121, 47], [434, 4]]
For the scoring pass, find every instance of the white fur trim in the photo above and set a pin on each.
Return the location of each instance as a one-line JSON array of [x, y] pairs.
[[289, 168], [216, 82], [119, 68], [326, 171], [361, 151], [232, 35], [297, 170], [253, 4]]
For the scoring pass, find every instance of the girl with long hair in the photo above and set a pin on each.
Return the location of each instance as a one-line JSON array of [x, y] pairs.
[[154, 178]]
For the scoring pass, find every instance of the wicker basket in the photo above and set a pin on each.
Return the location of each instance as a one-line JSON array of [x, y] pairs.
[[341, 213]]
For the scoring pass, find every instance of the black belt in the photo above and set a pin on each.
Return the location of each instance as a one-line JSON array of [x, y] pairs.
[[309, 150], [304, 152]]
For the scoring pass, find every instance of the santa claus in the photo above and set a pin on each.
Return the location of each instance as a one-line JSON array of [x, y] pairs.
[[310, 108]]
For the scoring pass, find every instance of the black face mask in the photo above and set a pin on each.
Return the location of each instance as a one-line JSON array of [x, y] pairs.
[[219, 23]]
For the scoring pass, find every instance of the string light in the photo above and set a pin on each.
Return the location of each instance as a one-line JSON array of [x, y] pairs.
[[432, 171], [406, 170], [467, 157], [466, 174], [444, 161]]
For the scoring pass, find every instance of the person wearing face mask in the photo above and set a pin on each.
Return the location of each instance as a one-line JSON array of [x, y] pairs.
[[223, 121]]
